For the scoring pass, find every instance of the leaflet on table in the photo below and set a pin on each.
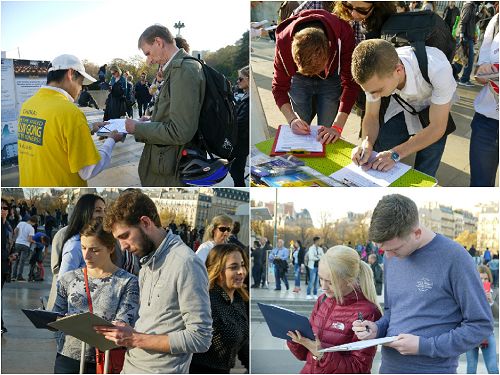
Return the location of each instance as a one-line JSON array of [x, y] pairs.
[[359, 345], [288, 141], [304, 176], [354, 175], [277, 166]]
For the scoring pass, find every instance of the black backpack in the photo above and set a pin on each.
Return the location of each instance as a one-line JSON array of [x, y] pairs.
[[419, 29], [217, 128]]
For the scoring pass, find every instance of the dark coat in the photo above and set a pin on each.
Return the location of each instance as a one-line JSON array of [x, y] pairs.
[[468, 20], [378, 277]]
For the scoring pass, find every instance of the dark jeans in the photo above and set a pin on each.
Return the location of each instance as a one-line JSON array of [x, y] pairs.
[[36, 256], [280, 276], [256, 274], [315, 96], [196, 368], [4, 278], [483, 154], [470, 62], [238, 170], [67, 365], [394, 132], [142, 108]]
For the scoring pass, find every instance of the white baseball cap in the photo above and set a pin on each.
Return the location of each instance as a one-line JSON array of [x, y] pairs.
[[64, 62]]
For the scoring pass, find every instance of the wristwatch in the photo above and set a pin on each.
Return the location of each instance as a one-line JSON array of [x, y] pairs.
[[394, 156]]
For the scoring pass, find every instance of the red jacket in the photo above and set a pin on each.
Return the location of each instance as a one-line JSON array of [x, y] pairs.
[[341, 37], [332, 323]]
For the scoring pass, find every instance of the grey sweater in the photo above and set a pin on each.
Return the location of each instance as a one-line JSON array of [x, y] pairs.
[[434, 293], [174, 301]]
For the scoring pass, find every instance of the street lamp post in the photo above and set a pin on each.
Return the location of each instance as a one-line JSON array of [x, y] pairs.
[[179, 25]]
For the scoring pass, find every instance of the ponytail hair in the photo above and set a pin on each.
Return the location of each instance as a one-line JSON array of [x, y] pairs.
[[367, 285], [345, 265]]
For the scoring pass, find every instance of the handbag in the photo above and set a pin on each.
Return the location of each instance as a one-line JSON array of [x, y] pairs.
[[116, 356], [423, 115]]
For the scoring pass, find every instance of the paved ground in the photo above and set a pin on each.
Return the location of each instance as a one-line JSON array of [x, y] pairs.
[[270, 355], [25, 349], [454, 169], [122, 170]]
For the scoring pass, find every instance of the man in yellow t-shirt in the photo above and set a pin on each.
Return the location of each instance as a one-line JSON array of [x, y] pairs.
[[54, 142]]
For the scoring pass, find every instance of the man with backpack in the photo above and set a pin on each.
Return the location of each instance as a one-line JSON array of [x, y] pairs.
[[312, 73], [176, 113], [417, 118]]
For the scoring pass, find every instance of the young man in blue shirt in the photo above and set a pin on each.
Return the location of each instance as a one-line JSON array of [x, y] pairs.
[[433, 298]]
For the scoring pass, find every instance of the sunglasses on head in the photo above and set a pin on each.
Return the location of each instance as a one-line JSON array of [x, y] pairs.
[[224, 229], [361, 11]]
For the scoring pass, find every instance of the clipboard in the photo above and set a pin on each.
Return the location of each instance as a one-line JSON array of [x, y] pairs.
[[40, 318], [280, 321], [81, 326], [359, 345], [302, 154]]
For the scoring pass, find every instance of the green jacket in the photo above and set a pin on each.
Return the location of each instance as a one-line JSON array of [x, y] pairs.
[[173, 124]]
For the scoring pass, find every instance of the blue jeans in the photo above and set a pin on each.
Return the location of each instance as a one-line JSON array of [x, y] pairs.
[[394, 132], [483, 154], [314, 96], [296, 268], [23, 253], [489, 356], [470, 62], [313, 281]]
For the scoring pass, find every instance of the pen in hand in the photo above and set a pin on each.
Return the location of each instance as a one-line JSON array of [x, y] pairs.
[[363, 148], [360, 318]]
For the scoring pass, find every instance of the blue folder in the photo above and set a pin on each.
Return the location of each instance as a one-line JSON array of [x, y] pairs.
[[280, 321]]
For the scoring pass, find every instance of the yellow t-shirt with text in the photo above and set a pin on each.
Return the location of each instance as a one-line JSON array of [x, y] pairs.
[[54, 141]]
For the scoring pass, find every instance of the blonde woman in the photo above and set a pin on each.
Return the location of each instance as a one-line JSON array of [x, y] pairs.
[[227, 267], [348, 292], [216, 233]]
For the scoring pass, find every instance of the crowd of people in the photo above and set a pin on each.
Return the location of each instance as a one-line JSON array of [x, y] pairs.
[[334, 57], [108, 260], [168, 123], [437, 311]]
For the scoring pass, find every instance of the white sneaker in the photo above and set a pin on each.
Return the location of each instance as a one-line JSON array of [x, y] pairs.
[[315, 296], [309, 296]]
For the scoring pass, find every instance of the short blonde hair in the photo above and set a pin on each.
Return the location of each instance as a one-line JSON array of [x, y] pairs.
[[345, 265], [216, 222], [310, 50], [373, 57]]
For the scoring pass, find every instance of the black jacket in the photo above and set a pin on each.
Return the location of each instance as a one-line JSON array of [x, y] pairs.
[[258, 257], [450, 15], [230, 333], [468, 20], [142, 92], [242, 119], [378, 277]]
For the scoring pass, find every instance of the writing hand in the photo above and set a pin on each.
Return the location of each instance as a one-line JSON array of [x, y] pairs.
[[300, 127], [360, 329]]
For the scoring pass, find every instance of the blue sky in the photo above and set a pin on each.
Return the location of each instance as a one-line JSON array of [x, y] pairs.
[[102, 30]]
